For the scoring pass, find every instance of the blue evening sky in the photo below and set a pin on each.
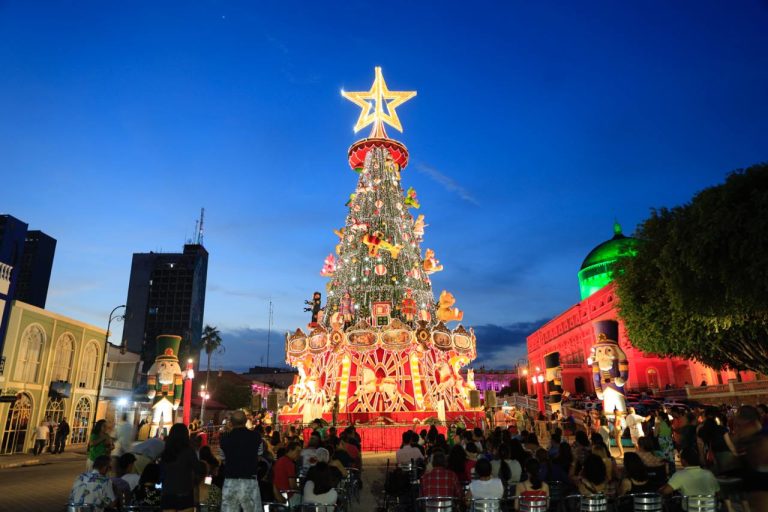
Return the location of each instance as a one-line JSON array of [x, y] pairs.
[[535, 126]]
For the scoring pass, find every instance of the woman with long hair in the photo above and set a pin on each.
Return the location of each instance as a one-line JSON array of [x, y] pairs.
[[618, 432], [662, 429], [457, 462], [99, 443], [182, 471], [533, 486], [507, 469], [593, 479], [636, 478]]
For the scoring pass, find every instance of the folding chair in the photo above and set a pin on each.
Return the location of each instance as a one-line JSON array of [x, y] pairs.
[[647, 502], [701, 503], [437, 504], [485, 505]]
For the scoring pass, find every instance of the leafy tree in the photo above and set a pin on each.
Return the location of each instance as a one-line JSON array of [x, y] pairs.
[[233, 396], [698, 287], [212, 343]]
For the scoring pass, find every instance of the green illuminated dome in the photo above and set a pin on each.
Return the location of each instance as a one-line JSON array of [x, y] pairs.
[[596, 271]]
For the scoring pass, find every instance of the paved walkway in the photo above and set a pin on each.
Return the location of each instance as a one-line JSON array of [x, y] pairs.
[[374, 474], [18, 460]]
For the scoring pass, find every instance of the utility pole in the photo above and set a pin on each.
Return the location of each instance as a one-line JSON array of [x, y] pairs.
[[269, 330]]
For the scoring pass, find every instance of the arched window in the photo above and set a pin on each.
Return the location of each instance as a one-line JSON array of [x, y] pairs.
[[81, 421], [54, 410], [653, 378], [62, 357], [16, 425], [30, 352], [89, 368]]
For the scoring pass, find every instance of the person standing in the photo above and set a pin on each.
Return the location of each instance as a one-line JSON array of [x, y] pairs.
[[60, 440], [181, 470], [99, 443], [635, 424], [242, 448], [41, 437]]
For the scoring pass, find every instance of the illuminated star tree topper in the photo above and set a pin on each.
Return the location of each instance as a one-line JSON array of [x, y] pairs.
[[377, 99]]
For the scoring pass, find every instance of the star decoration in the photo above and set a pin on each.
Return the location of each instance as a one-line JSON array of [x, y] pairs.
[[377, 99]]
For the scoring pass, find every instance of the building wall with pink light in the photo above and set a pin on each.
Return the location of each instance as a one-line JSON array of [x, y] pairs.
[[570, 333]]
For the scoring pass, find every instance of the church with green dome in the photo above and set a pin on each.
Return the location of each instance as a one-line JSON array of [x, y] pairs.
[[563, 345], [597, 270]]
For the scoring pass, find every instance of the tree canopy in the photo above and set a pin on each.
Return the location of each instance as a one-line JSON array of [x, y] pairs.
[[698, 287]]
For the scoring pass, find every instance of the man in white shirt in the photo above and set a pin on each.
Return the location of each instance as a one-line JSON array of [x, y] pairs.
[[692, 480], [309, 454], [635, 423], [41, 437], [485, 487], [409, 451]]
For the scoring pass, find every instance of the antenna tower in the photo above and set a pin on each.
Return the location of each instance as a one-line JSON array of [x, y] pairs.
[[199, 227], [269, 330]]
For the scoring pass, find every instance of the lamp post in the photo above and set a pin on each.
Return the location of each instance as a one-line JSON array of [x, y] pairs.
[[188, 375], [112, 316], [539, 379], [524, 374], [204, 395]]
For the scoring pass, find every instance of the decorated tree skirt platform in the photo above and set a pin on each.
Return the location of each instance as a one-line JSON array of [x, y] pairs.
[[386, 434]]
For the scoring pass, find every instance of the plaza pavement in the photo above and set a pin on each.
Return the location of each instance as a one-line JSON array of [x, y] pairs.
[[42, 483]]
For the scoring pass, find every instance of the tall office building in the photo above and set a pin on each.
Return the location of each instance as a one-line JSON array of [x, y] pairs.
[[36, 265], [26, 260], [12, 235], [166, 295]]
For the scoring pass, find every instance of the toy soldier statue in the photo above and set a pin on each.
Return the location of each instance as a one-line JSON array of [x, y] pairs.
[[610, 368], [164, 382]]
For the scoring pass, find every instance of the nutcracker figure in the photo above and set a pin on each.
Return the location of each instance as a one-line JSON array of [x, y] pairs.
[[408, 306], [347, 308], [164, 382], [610, 368], [315, 307]]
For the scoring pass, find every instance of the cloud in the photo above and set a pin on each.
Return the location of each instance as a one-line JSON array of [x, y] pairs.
[[236, 293], [246, 347], [447, 183], [500, 346]]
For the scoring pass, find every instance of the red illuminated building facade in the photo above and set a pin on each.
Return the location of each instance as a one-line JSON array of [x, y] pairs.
[[571, 334]]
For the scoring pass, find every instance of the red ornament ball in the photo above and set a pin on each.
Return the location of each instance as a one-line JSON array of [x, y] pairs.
[[380, 269]]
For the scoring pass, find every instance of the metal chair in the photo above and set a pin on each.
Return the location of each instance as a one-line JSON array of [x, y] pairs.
[[533, 503], [353, 481], [485, 505], [71, 507], [647, 502], [700, 503], [276, 507], [556, 489], [317, 507], [437, 504], [593, 503]]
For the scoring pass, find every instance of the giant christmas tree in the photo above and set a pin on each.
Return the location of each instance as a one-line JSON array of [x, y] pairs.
[[380, 349]]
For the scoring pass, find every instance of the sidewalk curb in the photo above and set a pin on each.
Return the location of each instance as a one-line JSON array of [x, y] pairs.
[[38, 462], [30, 462]]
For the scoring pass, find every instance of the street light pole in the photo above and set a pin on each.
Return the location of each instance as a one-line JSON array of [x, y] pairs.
[[204, 395], [525, 372], [104, 360], [189, 374]]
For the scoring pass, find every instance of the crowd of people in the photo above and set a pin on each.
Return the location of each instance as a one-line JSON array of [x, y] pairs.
[[508, 462], [250, 464]]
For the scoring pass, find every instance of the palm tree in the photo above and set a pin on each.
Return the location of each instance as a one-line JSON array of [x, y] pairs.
[[212, 342]]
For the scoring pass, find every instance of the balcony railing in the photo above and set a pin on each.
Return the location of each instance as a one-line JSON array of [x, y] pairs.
[[117, 384]]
